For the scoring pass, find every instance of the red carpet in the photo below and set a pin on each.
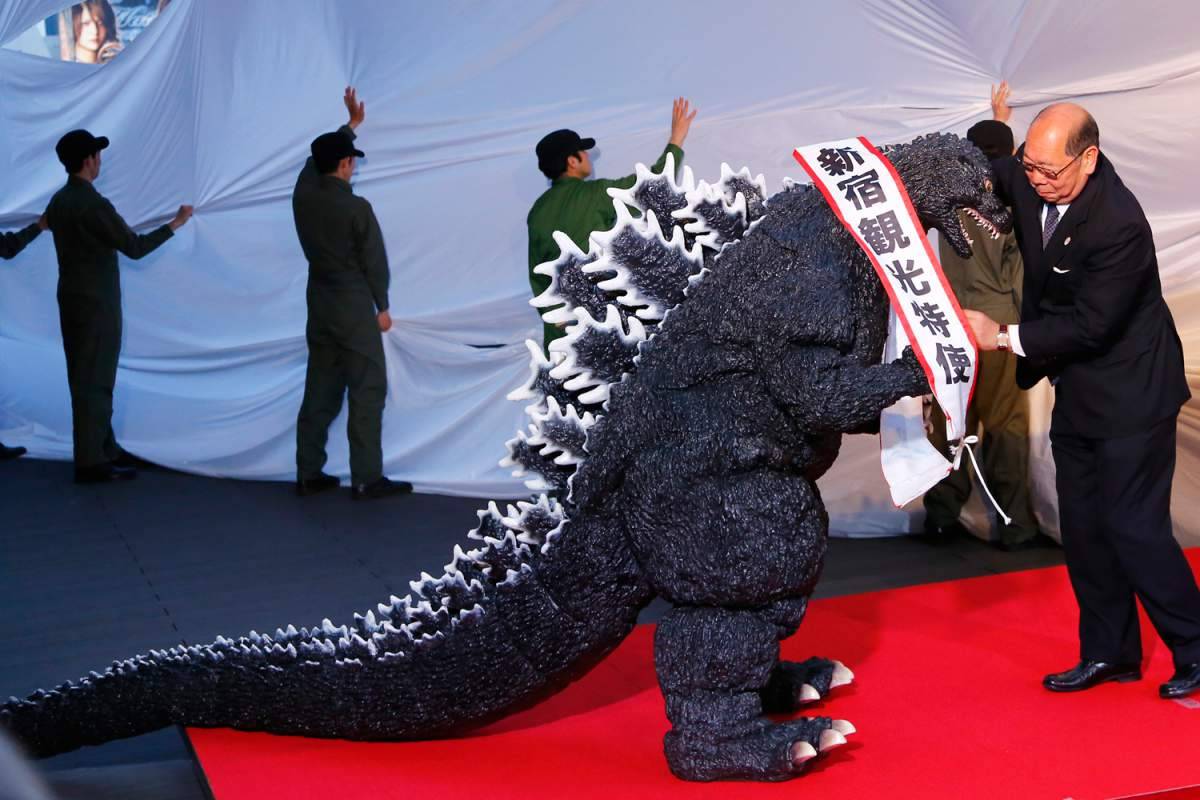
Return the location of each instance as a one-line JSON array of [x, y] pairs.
[[947, 702]]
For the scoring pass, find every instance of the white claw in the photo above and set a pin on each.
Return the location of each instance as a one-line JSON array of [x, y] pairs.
[[801, 752], [844, 727], [841, 675], [808, 694], [830, 739]]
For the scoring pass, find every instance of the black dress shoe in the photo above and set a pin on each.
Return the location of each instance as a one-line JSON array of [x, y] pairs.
[[321, 483], [9, 453], [104, 473], [1185, 681], [1035, 542], [380, 488], [1087, 674]]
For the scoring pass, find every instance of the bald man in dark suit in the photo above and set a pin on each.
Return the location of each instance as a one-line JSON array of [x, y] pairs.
[[1094, 321]]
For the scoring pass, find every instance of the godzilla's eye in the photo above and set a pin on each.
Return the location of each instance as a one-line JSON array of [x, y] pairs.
[[987, 185]]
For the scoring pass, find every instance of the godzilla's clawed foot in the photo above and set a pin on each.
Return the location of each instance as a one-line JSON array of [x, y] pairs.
[[834, 736], [771, 752], [793, 684]]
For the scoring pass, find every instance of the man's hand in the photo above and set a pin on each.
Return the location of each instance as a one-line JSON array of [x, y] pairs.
[[1000, 108], [385, 321], [181, 217], [358, 111], [985, 328], [43, 223], [681, 121]]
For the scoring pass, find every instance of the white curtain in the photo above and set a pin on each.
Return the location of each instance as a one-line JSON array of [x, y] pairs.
[[215, 103]]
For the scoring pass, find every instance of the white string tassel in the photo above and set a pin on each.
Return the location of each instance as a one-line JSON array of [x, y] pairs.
[[965, 444]]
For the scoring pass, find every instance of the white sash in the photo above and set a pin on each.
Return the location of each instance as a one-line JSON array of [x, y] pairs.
[[866, 194]]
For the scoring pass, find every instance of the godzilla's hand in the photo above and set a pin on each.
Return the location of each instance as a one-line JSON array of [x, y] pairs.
[[908, 359]]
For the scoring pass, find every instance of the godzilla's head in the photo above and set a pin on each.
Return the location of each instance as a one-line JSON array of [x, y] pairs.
[[943, 175]]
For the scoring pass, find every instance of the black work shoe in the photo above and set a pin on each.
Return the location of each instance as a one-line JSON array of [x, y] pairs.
[[1035, 542], [129, 461], [9, 453], [104, 473], [380, 488], [1185, 681], [321, 483], [943, 534], [1087, 674]]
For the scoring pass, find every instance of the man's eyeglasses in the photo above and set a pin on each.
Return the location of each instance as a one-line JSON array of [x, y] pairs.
[[1051, 174]]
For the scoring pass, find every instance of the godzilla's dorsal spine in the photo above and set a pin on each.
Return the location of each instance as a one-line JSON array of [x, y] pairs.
[[613, 298]]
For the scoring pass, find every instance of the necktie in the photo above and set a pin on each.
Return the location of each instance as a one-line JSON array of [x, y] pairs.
[[1051, 223]]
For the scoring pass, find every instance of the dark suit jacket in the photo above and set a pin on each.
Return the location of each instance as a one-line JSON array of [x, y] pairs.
[[1093, 314]]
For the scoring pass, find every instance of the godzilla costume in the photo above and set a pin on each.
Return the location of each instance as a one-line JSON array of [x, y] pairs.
[[704, 386]]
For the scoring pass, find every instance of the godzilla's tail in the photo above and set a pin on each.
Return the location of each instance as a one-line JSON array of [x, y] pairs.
[[520, 615], [509, 622]]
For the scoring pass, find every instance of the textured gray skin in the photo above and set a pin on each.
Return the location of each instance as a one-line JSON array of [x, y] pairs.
[[697, 485]]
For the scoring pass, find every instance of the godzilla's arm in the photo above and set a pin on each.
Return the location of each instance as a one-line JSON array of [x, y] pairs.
[[828, 392]]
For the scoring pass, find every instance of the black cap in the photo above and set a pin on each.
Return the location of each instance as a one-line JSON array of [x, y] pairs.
[[330, 148], [993, 137], [77, 145], [553, 149]]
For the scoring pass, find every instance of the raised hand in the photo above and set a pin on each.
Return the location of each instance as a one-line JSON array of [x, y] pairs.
[[1000, 108], [681, 120], [358, 111]]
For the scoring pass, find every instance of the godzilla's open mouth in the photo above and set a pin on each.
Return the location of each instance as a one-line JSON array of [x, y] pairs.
[[983, 222]]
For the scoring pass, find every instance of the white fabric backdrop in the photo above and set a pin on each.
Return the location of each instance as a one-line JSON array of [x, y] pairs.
[[216, 103]]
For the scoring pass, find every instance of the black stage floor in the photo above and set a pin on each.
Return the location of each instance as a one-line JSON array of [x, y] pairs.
[[89, 574]]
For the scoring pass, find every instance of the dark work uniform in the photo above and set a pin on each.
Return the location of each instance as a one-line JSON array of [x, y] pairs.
[[88, 232], [989, 281], [347, 288], [10, 245], [13, 243], [577, 208]]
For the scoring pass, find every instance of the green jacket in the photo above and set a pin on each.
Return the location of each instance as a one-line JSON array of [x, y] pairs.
[[88, 232], [990, 280], [13, 243], [577, 208], [347, 263]]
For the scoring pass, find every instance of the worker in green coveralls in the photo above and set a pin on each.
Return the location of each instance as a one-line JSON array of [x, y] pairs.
[[10, 245], [577, 206], [990, 280], [347, 313], [88, 232]]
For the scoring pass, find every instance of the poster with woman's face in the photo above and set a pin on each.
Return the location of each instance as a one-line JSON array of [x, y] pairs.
[[91, 32]]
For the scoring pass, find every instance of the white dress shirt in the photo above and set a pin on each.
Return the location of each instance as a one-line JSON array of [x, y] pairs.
[[1014, 337]]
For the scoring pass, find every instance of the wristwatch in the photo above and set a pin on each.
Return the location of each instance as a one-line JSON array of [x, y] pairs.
[[1002, 339]]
